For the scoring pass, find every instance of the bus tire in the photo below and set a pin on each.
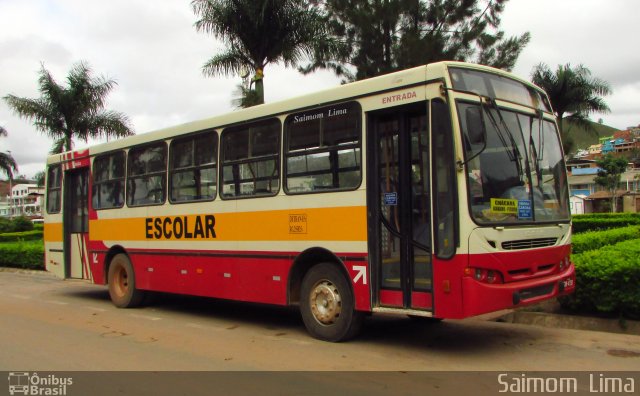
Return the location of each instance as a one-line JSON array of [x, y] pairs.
[[122, 283], [327, 304]]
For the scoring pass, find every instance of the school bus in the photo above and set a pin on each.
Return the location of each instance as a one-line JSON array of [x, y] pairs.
[[438, 191]]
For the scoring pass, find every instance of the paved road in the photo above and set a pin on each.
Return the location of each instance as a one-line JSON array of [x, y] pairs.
[[50, 324]]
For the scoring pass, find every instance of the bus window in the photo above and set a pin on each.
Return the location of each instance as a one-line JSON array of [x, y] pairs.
[[323, 149], [193, 168], [444, 177], [251, 160], [108, 181], [146, 175], [54, 189]]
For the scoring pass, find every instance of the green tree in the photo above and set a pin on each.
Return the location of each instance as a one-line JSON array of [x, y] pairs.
[[246, 97], [39, 178], [72, 112], [609, 174], [382, 36], [260, 32], [574, 95], [8, 165]]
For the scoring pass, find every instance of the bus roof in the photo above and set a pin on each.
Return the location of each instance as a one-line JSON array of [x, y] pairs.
[[386, 82]]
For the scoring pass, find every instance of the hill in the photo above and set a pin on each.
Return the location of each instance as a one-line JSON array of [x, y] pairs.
[[584, 138]]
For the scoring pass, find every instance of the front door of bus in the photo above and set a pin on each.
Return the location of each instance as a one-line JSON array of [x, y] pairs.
[[76, 223], [400, 222]]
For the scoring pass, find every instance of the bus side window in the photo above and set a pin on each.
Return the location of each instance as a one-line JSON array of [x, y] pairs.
[[108, 181], [322, 149], [193, 168], [54, 189], [250, 156], [444, 177], [147, 175]]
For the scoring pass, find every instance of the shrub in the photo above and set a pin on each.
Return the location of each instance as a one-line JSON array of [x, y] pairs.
[[603, 221], [33, 235], [596, 239], [22, 254], [6, 225], [607, 280], [16, 224], [22, 224]]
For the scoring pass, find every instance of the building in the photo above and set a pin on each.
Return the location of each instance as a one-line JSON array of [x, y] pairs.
[[26, 200], [581, 174], [595, 149], [581, 179], [577, 204]]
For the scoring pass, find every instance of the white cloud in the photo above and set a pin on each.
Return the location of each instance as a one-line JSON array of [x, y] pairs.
[[594, 33]]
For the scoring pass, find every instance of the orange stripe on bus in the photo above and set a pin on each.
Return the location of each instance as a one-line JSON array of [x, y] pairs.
[[317, 224], [53, 232]]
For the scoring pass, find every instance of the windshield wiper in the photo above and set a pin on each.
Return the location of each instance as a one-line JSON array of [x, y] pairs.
[[540, 135], [514, 152], [534, 152]]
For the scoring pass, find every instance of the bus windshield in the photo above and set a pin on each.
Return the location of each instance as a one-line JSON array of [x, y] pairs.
[[515, 168]]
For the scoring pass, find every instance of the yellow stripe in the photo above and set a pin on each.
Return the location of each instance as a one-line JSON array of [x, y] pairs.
[[53, 232], [318, 224]]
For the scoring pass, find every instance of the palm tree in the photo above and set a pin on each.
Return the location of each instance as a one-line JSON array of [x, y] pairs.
[[72, 112], [574, 93], [260, 32], [7, 163]]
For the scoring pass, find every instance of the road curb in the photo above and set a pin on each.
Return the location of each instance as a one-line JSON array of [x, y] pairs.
[[24, 271], [573, 322]]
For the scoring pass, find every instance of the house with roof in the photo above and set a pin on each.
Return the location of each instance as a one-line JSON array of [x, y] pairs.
[[577, 204], [581, 179], [26, 200]]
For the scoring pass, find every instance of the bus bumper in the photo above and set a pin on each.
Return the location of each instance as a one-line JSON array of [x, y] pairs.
[[480, 298]]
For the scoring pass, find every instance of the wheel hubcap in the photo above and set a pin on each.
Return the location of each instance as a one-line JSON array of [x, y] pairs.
[[325, 302], [121, 281]]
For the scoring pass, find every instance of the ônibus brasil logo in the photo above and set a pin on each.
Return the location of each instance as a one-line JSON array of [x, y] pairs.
[[25, 383]]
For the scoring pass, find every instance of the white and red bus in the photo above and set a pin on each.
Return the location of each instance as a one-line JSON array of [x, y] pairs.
[[438, 191]]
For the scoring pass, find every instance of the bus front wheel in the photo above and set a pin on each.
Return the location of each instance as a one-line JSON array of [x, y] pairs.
[[122, 283], [327, 304]]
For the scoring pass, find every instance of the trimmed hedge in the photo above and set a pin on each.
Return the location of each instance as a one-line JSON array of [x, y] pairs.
[[596, 239], [607, 280], [21, 236], [603, 215], [17, 224], [22, 254], [603, 221]]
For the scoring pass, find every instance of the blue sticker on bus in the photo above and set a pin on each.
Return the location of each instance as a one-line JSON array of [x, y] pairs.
[[391, 199], [524, 209]]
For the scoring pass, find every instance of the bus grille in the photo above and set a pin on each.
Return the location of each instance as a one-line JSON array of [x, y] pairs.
[[529, 243]]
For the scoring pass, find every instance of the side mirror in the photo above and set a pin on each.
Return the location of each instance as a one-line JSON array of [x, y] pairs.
[[476, 131]]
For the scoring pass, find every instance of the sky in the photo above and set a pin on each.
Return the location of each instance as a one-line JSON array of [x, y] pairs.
[[153, 52]]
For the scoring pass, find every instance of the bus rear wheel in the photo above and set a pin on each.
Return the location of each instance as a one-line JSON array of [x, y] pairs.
[[122, 283], [327, 304]]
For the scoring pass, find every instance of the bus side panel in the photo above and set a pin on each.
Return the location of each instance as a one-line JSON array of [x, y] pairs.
[[447, 286], [53, 248], [255, 277], [97, 257], [359, 277]]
